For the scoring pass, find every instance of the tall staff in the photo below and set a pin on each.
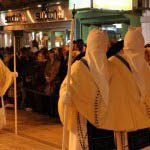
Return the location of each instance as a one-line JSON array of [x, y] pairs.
[[15, 88], [64, 141]]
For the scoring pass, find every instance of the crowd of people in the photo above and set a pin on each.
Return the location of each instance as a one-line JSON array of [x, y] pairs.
[[40, 73], [108, 79]]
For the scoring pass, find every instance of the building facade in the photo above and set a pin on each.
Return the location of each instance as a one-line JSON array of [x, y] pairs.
[[49, 26], [115, 22]]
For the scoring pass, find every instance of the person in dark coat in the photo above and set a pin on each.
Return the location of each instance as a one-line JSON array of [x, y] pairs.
[[82, 48], [38, 81], [115, 48]]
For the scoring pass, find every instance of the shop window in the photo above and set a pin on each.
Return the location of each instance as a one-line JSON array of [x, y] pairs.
[[59, 39]]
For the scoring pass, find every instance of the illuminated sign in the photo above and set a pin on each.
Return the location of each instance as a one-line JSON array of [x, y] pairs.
[[113, 4], [102, 4], [15, 18], [79, 4], [50, 15]]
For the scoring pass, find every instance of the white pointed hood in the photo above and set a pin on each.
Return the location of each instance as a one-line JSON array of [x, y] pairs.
[[134, 51], [97, 45]]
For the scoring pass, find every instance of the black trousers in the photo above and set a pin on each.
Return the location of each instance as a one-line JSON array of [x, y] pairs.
[[100, 139]]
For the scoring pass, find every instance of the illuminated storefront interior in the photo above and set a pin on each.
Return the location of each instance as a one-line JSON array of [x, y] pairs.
[[49, 26], [114, 16]]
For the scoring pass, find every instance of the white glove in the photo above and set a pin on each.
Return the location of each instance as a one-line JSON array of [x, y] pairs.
[[66, 98], [15, 74]]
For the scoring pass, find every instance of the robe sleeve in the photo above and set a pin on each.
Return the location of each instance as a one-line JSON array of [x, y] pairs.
[[71, 111], [82, 91], [6, 78]]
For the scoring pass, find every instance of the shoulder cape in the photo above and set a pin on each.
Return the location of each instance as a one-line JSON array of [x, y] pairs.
[[6, 78], [123, 112]]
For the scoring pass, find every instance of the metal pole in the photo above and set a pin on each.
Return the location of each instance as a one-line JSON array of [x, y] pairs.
[[64, 141], [15, 88]]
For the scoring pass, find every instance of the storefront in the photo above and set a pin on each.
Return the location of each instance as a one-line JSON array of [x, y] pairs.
[[50, 27], [114, 16]]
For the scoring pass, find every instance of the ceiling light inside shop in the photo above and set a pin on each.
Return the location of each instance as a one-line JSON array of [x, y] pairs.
[[58, 3], [39, 5], [9, 10], [59, 7], [40, 35], [6, 40], [33, 35], [10, 41]]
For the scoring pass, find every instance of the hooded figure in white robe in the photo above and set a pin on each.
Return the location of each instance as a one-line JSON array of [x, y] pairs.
[[133, 88], [105, 93], [134, 52], [83, 93], [6, 78]]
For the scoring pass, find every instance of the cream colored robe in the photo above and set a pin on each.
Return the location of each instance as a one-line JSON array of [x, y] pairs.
[[124, 112], [6, 78]]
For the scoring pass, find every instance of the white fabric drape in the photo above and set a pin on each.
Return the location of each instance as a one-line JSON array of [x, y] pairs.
[[74, 139], [97, 45], [134, 51]]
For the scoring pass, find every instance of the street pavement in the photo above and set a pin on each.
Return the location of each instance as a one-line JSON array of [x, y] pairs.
[[35, 132]]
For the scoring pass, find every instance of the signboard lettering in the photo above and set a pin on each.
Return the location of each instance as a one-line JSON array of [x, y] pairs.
[[15, 18], [50, 15]]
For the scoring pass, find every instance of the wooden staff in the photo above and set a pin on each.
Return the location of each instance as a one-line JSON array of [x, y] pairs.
[[15, 87], [64, 141]]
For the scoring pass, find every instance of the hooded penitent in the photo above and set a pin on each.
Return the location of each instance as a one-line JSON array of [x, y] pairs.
[[135, 54], [117, 107], [129, 101], [6, 78], [97, 45], [89, 85]]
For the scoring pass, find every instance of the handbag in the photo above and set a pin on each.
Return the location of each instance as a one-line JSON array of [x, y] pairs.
[[2, 114]]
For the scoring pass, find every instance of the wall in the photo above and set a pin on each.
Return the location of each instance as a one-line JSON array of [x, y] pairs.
[[86, 21], [145, 21]]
